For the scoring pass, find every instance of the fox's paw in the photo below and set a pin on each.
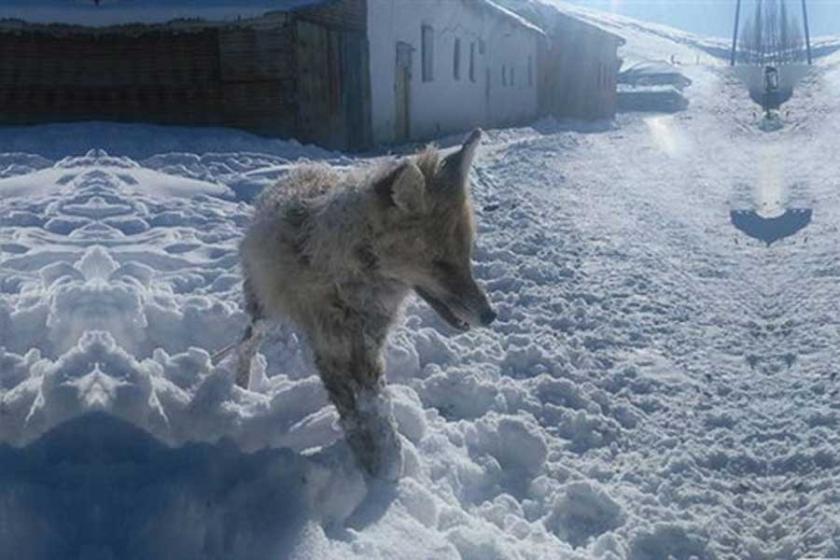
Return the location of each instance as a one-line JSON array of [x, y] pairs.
[[372, 435], [380, 459]]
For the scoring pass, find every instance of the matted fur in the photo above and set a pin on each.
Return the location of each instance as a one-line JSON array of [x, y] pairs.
[[338, 251]]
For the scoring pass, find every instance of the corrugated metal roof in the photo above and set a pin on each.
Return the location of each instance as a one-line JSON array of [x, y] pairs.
[[119, 12]]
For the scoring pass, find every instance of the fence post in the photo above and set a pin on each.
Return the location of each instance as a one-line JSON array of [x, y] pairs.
[[807, 30], [735, 33]]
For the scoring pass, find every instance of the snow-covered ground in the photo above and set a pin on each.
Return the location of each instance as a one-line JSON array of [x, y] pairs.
[[658, 384]]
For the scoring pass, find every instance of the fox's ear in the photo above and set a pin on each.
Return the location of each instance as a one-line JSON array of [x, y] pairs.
[[404, 188], [456, 166]]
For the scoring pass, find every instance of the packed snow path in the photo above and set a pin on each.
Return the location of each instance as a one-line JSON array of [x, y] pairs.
[[657, 384]]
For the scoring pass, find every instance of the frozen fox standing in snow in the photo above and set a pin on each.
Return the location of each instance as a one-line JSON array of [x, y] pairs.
[[337, 254]]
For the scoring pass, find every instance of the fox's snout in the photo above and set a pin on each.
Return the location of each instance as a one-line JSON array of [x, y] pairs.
[[471, 304], [462, 309], [476, 306]]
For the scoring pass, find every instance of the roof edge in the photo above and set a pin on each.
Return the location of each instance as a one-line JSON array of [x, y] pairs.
[[505, 13]]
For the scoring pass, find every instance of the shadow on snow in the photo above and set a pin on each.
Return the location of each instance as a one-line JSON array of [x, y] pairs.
[[97, 487], [771, 230]]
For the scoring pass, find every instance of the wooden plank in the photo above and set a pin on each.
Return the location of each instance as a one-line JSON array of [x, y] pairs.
[[356, 90], [256, 54], [151, 77], [321, 117], [108, 60], [347, 15]]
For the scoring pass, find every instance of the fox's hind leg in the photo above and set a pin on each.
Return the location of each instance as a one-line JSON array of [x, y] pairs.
[[253, 337], [246, 350]]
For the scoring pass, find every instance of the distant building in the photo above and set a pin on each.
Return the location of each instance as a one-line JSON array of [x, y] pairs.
[[289, 68], [345, 74], [579, 67], [442, 66]]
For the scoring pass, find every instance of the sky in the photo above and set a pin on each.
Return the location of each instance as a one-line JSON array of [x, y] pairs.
[[714, 17]]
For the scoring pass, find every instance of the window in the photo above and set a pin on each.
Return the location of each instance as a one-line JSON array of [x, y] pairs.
[[456, 60], [504, 75], [428, 48], [530, 71], [472, 62]]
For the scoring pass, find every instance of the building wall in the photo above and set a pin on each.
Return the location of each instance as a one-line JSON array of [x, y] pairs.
[[301, 75], [237, 76], [258, 78], [333, 101], [331, 68], [446, 104], [171, 78], [344, 14], [578, 71]]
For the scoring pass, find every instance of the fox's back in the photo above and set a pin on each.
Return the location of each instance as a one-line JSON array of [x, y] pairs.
[[277, 252], [300, 186]]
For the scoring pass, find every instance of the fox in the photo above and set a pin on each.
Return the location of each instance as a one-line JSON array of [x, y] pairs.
[[337, 253]]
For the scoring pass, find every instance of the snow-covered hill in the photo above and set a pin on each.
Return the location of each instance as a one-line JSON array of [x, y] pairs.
[[651, 41], [658, 384], [645, 40]]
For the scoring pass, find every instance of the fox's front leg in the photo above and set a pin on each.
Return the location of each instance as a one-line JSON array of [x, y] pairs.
[[352, 372]]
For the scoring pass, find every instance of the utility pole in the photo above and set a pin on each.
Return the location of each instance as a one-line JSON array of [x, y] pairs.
[[735, 33], [807, 30]]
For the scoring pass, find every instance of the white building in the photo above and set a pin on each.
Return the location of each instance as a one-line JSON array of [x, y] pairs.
[[441, 66]]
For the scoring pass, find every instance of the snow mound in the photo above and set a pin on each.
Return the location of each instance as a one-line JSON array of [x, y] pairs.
[[583, 512], [669, 541], [653, 73], [118, 280], [657, 99]]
